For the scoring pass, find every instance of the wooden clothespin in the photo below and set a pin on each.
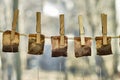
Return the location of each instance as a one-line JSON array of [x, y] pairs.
[[62, 30], [82, 33], [38, 27], [14, 24], [104, 28]]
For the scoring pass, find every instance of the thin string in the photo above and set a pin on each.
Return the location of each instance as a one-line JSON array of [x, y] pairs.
[[49, 37]]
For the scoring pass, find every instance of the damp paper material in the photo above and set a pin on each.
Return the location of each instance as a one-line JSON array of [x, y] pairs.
[[82, 50], [103, 49], [8, 45], [33, 47], [58, 50]]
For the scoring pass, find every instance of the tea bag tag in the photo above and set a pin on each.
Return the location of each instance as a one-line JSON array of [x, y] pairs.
[[82, 33], [104, 28], [62, 42], [14, 23], [38, 27]]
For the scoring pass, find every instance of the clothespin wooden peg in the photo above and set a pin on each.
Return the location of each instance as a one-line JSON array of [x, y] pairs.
[[14, 24], [82, 33], [38, 27], [104, 28], [62, 30]]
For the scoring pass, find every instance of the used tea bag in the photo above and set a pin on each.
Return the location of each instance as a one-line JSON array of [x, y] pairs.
[[35, 48], [8, 45], [11, 38], [59, 43], [103, 49], [82, 44], [36, 41], [58, 50], [82, 50], [103, 44]]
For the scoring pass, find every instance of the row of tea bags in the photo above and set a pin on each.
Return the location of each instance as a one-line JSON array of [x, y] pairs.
[[36, 42]]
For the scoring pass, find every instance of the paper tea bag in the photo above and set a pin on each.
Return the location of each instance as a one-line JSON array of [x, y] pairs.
[[103, 49], [82, 50], [8, 45], [58, 50], [33, 47]]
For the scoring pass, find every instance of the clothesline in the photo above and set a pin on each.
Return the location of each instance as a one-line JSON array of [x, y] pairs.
[[49, 37]]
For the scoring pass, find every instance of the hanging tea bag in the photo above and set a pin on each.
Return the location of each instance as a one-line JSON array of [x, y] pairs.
[[36, 41], [103, 43], [82, 44], [11, 38], [82, 50], [60, 43], [103, 49]]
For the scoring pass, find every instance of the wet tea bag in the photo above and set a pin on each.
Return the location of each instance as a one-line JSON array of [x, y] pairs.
[[11, 38], [82, 44], [103, 43], [36, 41], [101, 48], [60, 43]]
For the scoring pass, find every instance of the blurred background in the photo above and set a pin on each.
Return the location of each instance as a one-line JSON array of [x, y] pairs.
[[22, 66]]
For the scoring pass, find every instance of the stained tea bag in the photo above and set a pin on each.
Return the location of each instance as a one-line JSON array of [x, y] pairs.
[[103, 49], [36, 41], [58, 50], [103, 43], [82, 50], [35, 48], [11, 38], [82, 44], [59, 43]]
